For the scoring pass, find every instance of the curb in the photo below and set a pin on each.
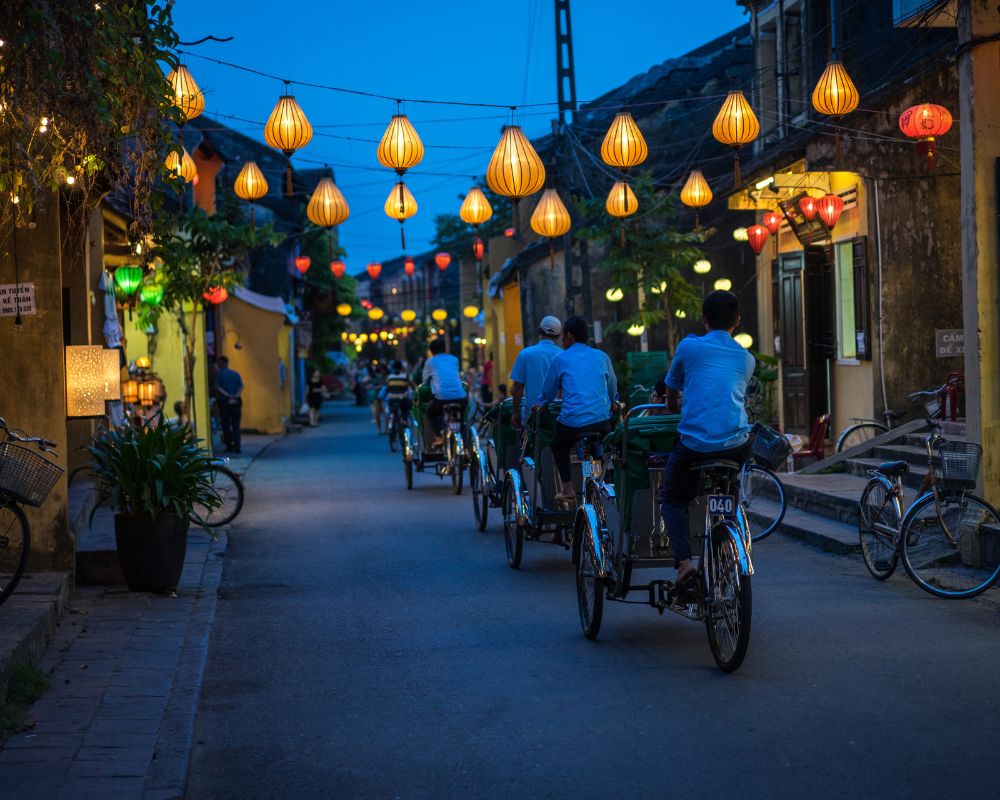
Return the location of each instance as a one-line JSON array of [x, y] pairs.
[[35, 609]]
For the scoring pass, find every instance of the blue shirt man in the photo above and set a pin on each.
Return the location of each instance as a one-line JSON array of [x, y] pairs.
[[530, 367], [442, 372]]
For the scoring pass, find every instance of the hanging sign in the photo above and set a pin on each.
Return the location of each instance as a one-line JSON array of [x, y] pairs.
[[16, 297], [949, 343]]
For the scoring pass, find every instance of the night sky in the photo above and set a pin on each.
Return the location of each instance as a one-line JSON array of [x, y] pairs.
[[493, 52]]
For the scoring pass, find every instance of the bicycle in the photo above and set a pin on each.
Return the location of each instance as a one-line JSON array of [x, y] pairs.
[[229, 486], [395, 425], [864, 430], [760, 488], [948, 539], [26, 478]]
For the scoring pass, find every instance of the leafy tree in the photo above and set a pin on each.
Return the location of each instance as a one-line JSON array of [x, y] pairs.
[[324, 292], [647, 252]]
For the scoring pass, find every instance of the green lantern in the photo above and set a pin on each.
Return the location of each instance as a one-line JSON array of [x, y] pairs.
[[127, 279], [151, 293]]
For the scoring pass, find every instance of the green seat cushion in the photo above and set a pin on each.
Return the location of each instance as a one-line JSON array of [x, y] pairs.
[[646, 435]]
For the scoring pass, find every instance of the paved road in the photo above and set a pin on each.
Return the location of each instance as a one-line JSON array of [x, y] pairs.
[[371, 644]]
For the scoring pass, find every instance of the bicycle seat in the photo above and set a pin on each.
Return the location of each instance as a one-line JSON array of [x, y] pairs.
[[590, 440], [893, 469], [894, 415], [655, 460], [717, 463]]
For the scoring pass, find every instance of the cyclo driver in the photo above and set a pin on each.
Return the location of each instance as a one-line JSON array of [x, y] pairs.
[[530, 367], [397, 389], [711, 373], [442, 373]]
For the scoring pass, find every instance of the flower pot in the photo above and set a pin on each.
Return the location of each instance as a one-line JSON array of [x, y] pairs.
[[151, 551]]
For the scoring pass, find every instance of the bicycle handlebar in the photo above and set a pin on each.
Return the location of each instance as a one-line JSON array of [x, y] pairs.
[[18, 435]]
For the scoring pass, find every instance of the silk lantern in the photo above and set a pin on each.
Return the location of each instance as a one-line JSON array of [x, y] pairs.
[[439, 315], [187, 97], [696, 194], [925, 122], [724, 284], [400, 147], [344, 309], [302, 264], [400, 205], [409, 266], [250, 185], [829, 209], [550, 218], [181, 165], [375, 313], [515, 170], [757, 237], [478, 248], [476, 208], [216, 295], [327, 207], [772, 221], [338, 268], [735, 125], [808, 205], [442, 260], [623, 145], [287, 130], [835, 95], [374, 270], [621, 201], [407, 315]]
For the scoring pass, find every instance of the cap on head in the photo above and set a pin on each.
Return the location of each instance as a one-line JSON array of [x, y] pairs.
[[550, 326]]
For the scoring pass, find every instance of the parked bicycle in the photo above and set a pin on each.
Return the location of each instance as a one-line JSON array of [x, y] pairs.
[[948, 539], [229, 486], [26, 478], [762, 494]]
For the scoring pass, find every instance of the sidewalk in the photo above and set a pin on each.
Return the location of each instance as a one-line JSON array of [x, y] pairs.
[[125, 675]]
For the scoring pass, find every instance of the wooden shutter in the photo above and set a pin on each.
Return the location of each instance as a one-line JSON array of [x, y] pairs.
[[862, 296]]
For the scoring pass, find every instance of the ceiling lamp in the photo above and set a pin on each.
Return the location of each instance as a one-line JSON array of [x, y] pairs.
[[636, 330], [400, 205], [344, 309], [515, 170], [470, 312], [439, 315], [400, 147], [925, 123], [338, 268], [287, 130], [614, 294], [302, 264], [409, 266], [809, 206], [375, 313], [623, 145], [757, 237], [621, 201], [181, 165], [550, 218], [442, 260], [723, 285], [696, 194], [187, 97], [407, 315], [772, 221], [829, 209], [251, 185], [127, 279], [478, 249], [702, 266], [476, 209], [735, 125], [374, 270], [216, 295]]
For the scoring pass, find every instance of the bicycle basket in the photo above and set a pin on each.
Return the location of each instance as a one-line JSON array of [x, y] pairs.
[[956, 464], [770, 448], [25, 476]]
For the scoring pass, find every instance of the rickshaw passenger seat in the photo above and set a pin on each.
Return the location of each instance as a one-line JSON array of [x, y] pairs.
[[716, 463]]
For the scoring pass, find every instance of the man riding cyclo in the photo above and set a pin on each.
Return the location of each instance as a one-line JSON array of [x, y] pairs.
[[530, 366], [583, 376], [441, 373], [397, 390], [710, 373]]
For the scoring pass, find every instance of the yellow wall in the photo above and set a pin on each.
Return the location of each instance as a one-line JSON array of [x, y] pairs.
[[258, 332], [513, 332], [285, 355], [853, 394]]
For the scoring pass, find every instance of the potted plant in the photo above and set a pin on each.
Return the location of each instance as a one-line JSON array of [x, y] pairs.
[[152, 476]]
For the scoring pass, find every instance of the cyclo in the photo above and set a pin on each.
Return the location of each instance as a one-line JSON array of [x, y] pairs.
[[530, 484], [419, 452], [493, 447], [618, 530]]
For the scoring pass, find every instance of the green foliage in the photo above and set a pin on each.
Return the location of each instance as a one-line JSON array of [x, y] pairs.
[[762, 397], [25, 686], [323, 291], [151, 470], [654, 256], [454, 236]]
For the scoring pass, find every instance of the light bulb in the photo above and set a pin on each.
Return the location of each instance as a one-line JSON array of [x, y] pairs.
[[70, 180]]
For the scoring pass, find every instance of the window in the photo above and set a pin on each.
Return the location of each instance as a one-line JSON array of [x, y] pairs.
[[846, 329]]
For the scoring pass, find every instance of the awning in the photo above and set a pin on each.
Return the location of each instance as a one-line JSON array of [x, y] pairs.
[[266, 302]]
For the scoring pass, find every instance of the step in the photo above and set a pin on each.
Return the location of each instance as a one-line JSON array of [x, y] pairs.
[[833, 496], [834, 537], [910, 454]]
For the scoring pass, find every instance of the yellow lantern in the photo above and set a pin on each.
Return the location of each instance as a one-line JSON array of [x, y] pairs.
[[149, 391], [623, 145], [736, 125], [439, 315], [375, 313], [550, 217], [344, 309], [744, 340], [621, 201], [470, 312], [112, 373], [400, 205], [702, 266], [251, 185], [660, 288], [130, 391], [636, 330], [723, 285], [327, 206], [344, 336], [182, 166], [696, 192], [614, 295], [476, 209], [680, 313], [515, 170], [400, 147], [383, 335], [287, 130], [187, 97], [363, 338], [408, 315], [143, 362], [835, 94]]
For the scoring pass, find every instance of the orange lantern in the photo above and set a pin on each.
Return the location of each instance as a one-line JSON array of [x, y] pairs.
[[216, 295], [478, 248], [374, 270], [757, 236], [409, 267], [696, 194], [509, 232], [338, 268], [772, 221], [302, 264], [809, 207], [476, 209], [187, 97], [925, 123], [287, 130], [736, 125], [829, 209], [442, 260]]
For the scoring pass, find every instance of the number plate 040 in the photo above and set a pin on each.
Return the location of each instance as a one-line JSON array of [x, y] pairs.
[[722, 505]]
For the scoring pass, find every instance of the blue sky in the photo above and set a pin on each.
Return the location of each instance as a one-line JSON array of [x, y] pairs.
[[493, 52]]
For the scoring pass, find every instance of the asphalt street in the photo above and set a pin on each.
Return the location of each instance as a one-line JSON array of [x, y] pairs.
[[370, 643]]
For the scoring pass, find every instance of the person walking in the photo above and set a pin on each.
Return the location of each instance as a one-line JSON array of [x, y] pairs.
[[585, 379], [229, 401], [486, 382], [315, 395], [530, 366]]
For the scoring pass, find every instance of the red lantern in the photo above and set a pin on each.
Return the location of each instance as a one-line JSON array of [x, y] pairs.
[[808, 206], [830, 208], [338, 268], [408, 266], [757, 236], [302, 264], [374, 270], [442, 260], [772, 221], [478, 248], [216, 295], [925, 123], [508, 232]]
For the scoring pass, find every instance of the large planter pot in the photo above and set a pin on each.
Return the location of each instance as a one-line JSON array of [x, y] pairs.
[[151, 551]]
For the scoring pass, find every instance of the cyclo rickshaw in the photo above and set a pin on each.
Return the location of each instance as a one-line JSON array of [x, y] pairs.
[[419, 452], [531, 483], [493, 447], [618, 530]]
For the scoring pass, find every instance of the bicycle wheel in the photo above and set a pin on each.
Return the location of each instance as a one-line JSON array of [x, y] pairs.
[[729, 603], [513, 533], [763, 496], [393, 429], [480, 493], [589, 587], [859, 433], [229, 487], [878, 521], [959, 558], [455, 466], [15, 542]]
